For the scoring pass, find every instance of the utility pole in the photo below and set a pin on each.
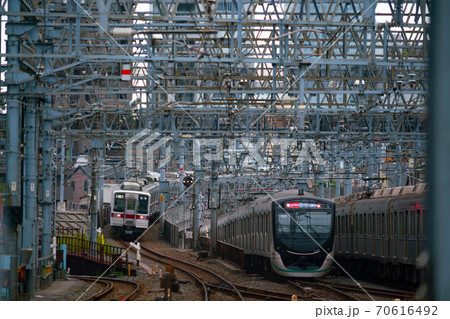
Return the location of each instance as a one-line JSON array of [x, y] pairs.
[[94, 190]]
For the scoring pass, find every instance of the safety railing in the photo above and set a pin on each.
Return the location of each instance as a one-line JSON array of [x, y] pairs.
[[92, 251]]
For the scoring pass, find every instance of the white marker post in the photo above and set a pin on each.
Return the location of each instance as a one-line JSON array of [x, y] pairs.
[[138, 254]]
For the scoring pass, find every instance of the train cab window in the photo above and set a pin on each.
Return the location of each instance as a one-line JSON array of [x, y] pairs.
[[142, 205], [119, 203]]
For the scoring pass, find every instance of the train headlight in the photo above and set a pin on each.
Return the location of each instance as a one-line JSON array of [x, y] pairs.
[[118, 215], [141, 217]]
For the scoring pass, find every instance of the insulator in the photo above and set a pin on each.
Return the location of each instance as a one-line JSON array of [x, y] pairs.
[[123, 31]]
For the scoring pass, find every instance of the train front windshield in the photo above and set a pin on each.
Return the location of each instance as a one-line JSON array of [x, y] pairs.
[[142, 205], [303, 229], [119, 203]]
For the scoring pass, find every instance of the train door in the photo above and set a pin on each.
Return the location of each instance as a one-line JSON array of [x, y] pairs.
[[130, 211]]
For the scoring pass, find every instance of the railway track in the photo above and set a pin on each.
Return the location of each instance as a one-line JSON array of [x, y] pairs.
[[202, 275], [113, 288], [319, 291], [388, 293], [262, 294]]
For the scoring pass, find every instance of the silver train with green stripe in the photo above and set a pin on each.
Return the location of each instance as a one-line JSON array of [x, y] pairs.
[[289, 233]]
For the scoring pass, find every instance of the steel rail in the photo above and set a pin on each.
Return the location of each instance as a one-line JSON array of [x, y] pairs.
[[109, 286], [195, 266]]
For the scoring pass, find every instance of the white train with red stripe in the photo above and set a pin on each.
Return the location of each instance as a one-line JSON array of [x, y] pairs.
[[132, 208]]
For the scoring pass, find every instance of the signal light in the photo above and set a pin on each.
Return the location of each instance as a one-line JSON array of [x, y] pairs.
[[188, 181]]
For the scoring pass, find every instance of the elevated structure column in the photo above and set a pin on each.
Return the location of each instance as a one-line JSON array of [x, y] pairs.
[[13, 173], [29, 226], [47, 194]]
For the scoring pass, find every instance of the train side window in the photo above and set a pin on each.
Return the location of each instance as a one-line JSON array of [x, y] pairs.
[[361, 224], [406, 224], [264, 223], [377, 224], [394, 224], [413, 223], [424, 217], [338, 224], [400, 224], [365, 223], [259, 223], [419, 223], [346, 225], [374, 225], [234, 230]]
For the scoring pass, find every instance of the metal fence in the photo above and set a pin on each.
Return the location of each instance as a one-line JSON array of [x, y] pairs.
[[85, 257], [93, 251]]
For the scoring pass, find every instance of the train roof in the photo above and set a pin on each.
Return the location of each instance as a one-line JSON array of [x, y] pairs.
[[265, 202], [416, 190], [132, 186], [128, 191]]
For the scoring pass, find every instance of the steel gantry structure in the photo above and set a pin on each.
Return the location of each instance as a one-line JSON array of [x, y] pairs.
[[340, 84]]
